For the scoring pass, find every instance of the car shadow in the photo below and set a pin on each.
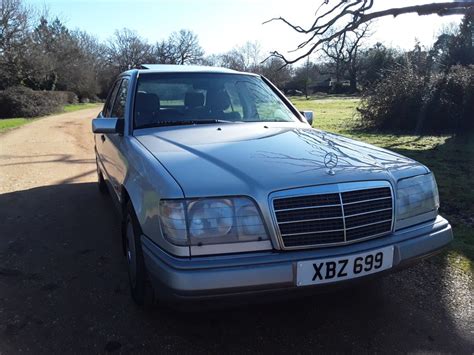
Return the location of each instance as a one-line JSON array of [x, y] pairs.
[[64, 288]]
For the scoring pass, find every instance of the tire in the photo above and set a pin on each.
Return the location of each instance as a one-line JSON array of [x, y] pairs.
[[140, 286], [100, 180]]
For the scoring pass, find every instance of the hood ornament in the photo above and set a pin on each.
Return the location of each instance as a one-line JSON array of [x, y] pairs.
[[330, 161]]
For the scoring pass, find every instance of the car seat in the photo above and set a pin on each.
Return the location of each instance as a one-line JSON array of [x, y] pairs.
[[194, 105], [217, 101], [147, 108]]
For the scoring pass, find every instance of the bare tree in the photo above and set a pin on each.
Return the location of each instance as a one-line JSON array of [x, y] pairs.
[[128, 50], [307, 80], [185, 45], [272, 69], [343, 52], [180, 48], [348, 15], [233, 59], [334, 51], [14, 22], [375, 63], [246, 57], [91, 65], [14, 32], [252, 55], [164, 53]]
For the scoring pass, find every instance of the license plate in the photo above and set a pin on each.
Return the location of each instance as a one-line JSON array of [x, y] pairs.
[[321, 271]]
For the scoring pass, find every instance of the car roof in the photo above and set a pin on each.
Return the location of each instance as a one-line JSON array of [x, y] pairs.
[[174, 68]]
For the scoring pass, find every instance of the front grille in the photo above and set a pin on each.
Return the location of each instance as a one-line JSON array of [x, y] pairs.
[[342, 217]]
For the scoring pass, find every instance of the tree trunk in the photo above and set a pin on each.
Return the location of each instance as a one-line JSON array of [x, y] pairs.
[[353, 81]]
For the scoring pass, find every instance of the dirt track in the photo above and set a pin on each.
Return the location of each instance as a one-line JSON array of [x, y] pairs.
[[63, 282]]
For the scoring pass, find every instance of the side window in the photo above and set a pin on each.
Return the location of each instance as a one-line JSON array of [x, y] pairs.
[[110, 99], [121, 100]]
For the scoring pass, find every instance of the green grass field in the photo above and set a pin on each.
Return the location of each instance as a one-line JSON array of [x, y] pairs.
[[77, 107], [450, 158], [10, 123]]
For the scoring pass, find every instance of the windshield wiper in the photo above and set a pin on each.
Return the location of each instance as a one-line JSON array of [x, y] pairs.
[[181, 123]]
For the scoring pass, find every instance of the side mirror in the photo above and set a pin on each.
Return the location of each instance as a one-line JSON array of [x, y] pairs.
[[309, 116], [107, 125]]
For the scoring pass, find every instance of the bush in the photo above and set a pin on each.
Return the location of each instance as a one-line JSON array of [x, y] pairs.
[[70, 97], [20, 101], [394, 102], [408, 101], [452, 102]]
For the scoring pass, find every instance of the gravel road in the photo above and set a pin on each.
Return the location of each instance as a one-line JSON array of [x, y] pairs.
[[64, 287]]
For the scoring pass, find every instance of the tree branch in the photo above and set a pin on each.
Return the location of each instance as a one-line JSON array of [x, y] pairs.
[[349, 15]]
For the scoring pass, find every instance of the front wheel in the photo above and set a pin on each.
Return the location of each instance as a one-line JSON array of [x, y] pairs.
[[141, 289]]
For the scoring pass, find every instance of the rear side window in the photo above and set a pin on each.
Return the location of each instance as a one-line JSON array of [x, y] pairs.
[[121, 100], [110, 101]]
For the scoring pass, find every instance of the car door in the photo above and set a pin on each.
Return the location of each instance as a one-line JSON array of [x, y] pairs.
[[100, 139], [114, 161]]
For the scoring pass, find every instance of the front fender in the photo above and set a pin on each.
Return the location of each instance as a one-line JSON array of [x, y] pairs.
[[147, 182]]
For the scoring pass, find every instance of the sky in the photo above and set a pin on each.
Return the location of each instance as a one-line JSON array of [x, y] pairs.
[[224, 24]]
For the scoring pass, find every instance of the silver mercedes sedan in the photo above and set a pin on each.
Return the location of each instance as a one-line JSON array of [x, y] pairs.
[[226, 191]]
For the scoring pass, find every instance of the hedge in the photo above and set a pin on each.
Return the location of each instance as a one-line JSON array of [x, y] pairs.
[[408, 102], [20, 101]]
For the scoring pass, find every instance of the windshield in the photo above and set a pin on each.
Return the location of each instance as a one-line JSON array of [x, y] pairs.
[[194, 98]]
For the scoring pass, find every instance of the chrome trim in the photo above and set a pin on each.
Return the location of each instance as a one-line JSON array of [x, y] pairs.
[[338, 230], [317, 232], [327, 245], [375, 199], [362, 213], [305, 208], [313, 220], [369, 224], [328, 189], [343, 217], [237, 247]]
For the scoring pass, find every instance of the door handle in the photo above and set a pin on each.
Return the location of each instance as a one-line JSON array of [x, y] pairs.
[[102, 137]]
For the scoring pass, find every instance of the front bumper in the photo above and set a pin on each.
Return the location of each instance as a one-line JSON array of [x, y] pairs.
[[201, 278]]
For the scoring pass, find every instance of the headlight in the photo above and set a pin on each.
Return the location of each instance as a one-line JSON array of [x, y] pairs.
[[210, 218], [211, 221], [173, 221], [416, 196]]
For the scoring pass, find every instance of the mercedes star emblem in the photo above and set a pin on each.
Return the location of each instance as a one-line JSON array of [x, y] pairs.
[[330, 161]]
